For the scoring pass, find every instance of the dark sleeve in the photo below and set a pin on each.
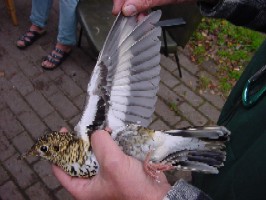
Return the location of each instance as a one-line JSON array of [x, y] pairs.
[[248, 13], [184, 191]]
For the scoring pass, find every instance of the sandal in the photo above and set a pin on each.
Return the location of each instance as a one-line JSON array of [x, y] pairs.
[[29, 39], [55, 59]]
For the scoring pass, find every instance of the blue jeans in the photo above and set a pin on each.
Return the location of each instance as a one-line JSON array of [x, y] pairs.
[[67, 18]]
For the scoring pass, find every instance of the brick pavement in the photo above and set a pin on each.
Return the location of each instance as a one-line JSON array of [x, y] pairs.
[[33, 101]]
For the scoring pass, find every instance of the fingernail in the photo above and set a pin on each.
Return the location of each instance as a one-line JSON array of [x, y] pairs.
[[130, 10]]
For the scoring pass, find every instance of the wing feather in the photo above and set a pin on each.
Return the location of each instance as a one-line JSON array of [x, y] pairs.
[[126, 75]]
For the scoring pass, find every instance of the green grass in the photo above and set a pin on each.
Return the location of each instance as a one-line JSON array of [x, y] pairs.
[[229, 46]]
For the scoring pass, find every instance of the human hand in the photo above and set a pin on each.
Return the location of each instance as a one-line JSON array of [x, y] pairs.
[[133, 7], [120, 176]]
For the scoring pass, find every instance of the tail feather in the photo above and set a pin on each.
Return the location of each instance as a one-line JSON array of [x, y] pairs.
[[196, 167], [199, 161], [204, 149], [209, 133]]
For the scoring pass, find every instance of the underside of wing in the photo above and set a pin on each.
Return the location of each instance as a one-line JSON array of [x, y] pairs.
[[125, 81], [133, 74]]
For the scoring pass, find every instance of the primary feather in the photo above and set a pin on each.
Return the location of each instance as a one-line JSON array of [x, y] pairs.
[[125, 80]]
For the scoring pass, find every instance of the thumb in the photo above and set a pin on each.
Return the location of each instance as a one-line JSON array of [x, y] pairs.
[[105, 148]]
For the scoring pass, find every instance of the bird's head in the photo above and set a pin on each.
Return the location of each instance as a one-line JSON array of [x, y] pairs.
[[50, 146]]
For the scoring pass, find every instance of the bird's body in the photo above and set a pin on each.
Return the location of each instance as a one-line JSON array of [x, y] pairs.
[[198, 150], [122, 96]]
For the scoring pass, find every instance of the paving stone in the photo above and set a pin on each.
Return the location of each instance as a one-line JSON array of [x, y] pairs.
[[64, 106], [55, 73], [43, 169], [5, 86], [169, 116], [9, 191], [189, 95], [63, 195], [37, 192], [43, 84], [32, 123], [74, 121], [215, 99], [188, 79], [168, 95], [187, 64], [77, 74], [3, 176], [11, 126], [192, 115], [23, 142], [183, 124], [210, 77], [28, 67], [68, 86], [9, 66], [168, 64], [6, 149], [2, 101], [168, 79], [39, 104], [16, 103], [17, 168], [21, 82], [80, 101], [159, 125], [54, 121], [210, 111], [36, 54]]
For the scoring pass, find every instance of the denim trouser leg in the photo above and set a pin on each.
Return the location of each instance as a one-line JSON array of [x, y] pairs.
[[67, 22], [40, 12]]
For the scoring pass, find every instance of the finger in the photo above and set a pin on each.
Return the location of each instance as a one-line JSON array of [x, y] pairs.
[[78, 187], [132, 7], [105, 148], [63, 130], [117, 7], [141, 16]]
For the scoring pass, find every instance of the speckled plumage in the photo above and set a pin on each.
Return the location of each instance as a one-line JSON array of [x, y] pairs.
[[66, 151]]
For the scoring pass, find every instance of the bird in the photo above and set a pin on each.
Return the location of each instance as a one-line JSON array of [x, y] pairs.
[[121, 95]]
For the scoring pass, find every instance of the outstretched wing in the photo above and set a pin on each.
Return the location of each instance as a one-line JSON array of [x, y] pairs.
[[125, 80]]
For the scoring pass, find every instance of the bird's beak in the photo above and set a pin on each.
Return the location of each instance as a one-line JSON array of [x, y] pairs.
[[28, 153]]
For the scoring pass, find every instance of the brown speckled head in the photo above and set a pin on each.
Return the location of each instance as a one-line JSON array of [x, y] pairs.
[[69, 152], [51, 146]]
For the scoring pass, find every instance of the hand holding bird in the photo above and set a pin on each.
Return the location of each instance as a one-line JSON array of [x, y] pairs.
[[108, 184]]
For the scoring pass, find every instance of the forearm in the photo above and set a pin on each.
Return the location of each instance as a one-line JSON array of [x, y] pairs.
[[249, 13], [184, 191]]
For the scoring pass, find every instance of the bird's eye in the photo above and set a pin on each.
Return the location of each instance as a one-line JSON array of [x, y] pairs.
[[44, 148]]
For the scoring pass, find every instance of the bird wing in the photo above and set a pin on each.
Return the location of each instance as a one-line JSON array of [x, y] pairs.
[[125, 80]]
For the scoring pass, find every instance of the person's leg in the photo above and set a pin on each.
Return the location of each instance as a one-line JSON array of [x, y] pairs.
[[66, 38], [39, 15]]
